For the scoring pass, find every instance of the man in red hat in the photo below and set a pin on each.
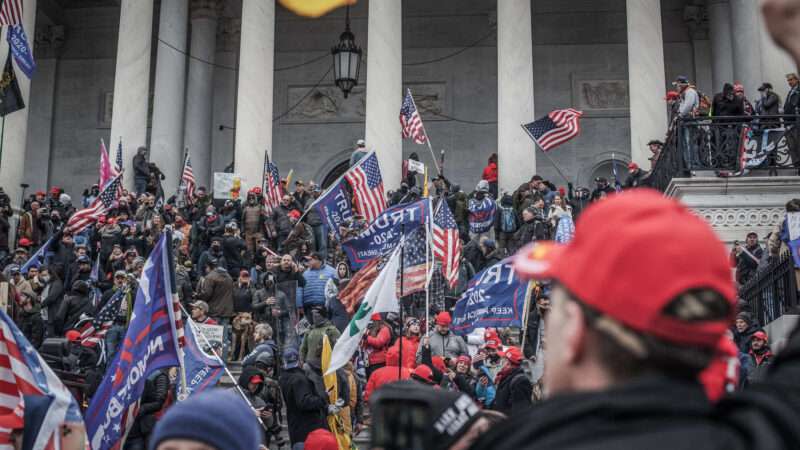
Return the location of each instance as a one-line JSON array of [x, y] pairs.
[[513, 387], [760, 357], [627, 338], [443, 342], [635, 176]]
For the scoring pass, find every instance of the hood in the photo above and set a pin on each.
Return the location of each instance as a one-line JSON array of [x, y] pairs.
[[248, 372]]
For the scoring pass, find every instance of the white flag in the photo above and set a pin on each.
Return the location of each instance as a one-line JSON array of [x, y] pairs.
[[381, 297]]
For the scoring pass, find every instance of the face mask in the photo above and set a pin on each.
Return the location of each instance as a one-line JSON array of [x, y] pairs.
[[215, 247], [44, 278], [480, 195], [316, 317]]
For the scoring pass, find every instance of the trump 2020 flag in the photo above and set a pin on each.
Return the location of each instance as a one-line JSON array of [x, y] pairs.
[[150, 344], [381, 297], [203, 370], [334, 208], [18, 46]]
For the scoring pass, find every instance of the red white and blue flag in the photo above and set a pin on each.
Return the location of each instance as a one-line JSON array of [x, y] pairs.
[[106, 171], [32, 398], [365, 179], [11, 12], [272, 186], [415, 263], [411, 121], [99, 207], [446, 243], [555, 128], [188, 181], [94, 331], [151, 343]]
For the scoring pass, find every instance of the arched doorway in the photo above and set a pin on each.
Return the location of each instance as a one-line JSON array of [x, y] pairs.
[[335, 173], [606, 169]]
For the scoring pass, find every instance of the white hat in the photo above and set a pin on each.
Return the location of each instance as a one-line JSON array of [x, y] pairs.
[[483, 186], [360, 143]]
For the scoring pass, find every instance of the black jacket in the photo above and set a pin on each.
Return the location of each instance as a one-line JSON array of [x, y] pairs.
[[156, 391], [792, 105], [660, 413], [305, 410], [32, 326], [513, 393], [72, 308], [140, 166], [53, 299]]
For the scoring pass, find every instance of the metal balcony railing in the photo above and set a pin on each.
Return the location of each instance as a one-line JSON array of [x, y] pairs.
[[773, 291]]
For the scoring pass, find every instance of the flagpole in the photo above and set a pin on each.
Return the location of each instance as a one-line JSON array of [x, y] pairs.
[[546, 155], [400, 300], [427, 138], [525, 310], [171, 310]]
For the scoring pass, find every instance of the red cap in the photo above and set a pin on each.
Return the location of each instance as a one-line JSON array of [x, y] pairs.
[[294, 214], [73, 335], [438, 362], [672, 95], [256, 379], [244, 273], [376, 316], [443, 318], [424, 372], [738, 87], [55, 190], [321, 439], [653, 249], [492, 343], [632, 166], [465, 359], [40, 193], [513, 355], [490, 333], [25, 242], [760, 335]]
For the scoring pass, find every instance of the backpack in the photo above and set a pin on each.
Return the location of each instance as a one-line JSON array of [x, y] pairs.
[[508, 220]]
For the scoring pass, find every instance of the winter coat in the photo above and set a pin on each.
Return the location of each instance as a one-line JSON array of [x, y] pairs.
[[232, 249], [723, 105], [305, 409], [244, 379], [378, 344], [269, 347], [316, 279], [742, 340], [154, 396], [792, 104], [311, 348], [243, 298], [52, 295], [513, 394], [72, 308], [385, 375], [140, 166], [32, 326], [768, 105], [447, 346], [218, 293], [410, 347]]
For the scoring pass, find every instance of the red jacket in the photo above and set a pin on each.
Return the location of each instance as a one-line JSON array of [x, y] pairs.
[[410, 346], [378, 344], [385, 375], [490, 173]]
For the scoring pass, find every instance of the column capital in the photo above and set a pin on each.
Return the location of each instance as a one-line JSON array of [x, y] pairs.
[[48, 41], [229, 33], [206, 9], [696, 18]]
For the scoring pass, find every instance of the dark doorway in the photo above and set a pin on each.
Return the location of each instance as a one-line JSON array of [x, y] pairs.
[[335, 173]]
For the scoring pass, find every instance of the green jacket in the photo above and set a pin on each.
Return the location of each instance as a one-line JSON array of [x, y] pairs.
[[311, 348]]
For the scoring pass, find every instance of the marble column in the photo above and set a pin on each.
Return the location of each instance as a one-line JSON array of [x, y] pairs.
[[38, 146], [775, 63], [696, 19], [12, 163], [225, 93], [646, 79], [516, 154], [719, 21], [132, 81], [746, 57], [385, 87], [200, 87], [254, 96], [166, 136]]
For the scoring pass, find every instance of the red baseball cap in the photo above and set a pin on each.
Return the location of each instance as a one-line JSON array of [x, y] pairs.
[[760, 335], [633, 254], [256, 379], [424, 373], [443, 318], [513, 354], [73, 335], [492, 343]]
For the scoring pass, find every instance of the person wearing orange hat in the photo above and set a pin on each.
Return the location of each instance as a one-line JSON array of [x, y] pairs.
[[627, 339], [443, 342]]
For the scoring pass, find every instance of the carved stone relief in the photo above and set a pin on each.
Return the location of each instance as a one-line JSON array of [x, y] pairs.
[[600, 94]]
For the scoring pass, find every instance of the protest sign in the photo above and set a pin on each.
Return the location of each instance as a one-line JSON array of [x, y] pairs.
[[228, 186]]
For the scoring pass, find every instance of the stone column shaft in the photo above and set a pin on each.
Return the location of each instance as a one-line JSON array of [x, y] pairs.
[[719, 19], [200, 88], [746, 52], [132, 81], [225, 94], [166, 137], [254, 97], [385, 87], [516, 154], [646, 77]]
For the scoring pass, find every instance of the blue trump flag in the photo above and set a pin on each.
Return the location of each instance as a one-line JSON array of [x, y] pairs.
[[203, 370], [334, 208], [38, 258], [150, 344], [495, 297], [19, 47], [383, 234]]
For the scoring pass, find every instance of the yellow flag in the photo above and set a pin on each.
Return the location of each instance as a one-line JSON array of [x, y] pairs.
[[332, 388], [314, 8], [289, 179], [425, 185]]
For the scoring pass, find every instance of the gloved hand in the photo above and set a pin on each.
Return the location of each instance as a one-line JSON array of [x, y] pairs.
[[333, 410]]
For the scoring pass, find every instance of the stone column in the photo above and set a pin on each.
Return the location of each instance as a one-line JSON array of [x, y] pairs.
[[746, 57], [225, 93], [645, 76], [385, 87], [254, 96], [40, 116], [132, 80], [12, 164], [696, 18], [200, 87], [516, 154], [166, 136], [719, 19]]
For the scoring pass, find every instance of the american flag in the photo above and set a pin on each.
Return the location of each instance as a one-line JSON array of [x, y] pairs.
[[446, 243], [187, 178], [28, 382], [94, 331], [271, 190], [99, 207], [354, 292], [555, 128], [11, 12], [118, 160], [365, 179], [106, 172], [415, 263], [411, 121]]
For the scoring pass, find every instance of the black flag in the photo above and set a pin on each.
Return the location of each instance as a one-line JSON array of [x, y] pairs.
[[10, 95]]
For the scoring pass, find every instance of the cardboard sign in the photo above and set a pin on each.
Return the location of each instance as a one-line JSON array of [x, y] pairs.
[[228, 186]]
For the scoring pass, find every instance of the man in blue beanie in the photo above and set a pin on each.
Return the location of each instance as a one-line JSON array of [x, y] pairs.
[[218, 419]]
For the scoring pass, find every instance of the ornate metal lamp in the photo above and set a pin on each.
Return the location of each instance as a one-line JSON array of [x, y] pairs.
[[346, 59]]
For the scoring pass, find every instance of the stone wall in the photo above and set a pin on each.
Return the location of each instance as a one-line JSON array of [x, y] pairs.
[[579, 50]]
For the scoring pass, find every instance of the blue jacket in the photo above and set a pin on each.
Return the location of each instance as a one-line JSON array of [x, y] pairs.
[[485, 394], [314, 291]]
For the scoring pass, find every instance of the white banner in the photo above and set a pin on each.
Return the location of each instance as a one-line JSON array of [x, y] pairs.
[[228, 186], [416, 166]]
